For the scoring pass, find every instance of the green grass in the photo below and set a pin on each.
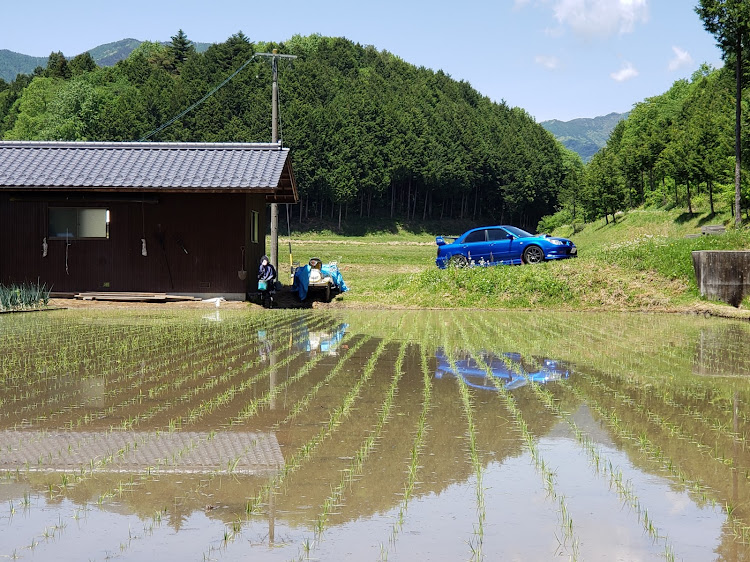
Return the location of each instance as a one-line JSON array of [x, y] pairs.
[[642, 262]]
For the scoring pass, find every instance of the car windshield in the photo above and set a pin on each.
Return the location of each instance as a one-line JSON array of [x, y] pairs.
[[518, 232]]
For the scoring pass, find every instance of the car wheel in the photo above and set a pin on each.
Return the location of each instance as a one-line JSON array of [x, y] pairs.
[[458, 261], [533, 254]]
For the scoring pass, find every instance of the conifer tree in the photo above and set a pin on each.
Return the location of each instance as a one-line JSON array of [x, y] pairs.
[[729, 22]]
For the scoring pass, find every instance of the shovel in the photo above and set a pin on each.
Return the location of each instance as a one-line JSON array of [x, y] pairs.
[[242, 274]]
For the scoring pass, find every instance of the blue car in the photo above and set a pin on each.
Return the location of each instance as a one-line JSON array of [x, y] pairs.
[[496, 245]]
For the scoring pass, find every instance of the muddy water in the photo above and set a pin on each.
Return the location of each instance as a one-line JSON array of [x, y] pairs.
[[287, 435]]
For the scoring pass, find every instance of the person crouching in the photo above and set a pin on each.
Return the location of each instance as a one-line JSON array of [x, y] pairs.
[[266, 278]]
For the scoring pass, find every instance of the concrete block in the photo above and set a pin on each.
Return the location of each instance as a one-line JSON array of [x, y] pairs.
[[723, 274]]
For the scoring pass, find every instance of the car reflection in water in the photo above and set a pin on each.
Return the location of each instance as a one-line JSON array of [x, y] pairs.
[[510, 369]]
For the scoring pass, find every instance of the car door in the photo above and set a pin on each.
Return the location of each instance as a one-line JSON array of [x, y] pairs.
[[499, 245], [475, 246]]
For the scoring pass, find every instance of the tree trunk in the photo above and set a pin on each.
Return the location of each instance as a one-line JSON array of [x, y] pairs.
[[710, 186], [340, 217], [689, 201], [408, 197], [737, 128], [642, 188]]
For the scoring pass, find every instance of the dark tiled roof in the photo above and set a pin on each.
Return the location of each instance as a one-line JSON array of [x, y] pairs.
[[145, 166]]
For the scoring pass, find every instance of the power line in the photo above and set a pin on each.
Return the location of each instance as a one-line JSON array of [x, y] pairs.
[[199, 102]]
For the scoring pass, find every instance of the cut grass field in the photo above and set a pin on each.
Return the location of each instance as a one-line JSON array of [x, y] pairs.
[[642, 262]]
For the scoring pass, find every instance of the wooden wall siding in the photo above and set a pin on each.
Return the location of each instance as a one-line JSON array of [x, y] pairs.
[[193, 241]]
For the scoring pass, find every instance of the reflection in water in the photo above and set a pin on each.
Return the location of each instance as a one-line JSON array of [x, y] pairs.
[[722, 351], [322, 340], [183, 452], [509, 369], [270, 432]]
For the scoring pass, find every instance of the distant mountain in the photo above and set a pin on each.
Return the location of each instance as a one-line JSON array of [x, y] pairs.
[[586, 135], [13, 64], [109, 53]]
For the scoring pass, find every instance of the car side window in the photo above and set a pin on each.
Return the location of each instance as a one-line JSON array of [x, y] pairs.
[[495, 234], [477, 236]]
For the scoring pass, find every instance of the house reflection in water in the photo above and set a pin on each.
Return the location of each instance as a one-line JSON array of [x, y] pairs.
[[509, 369]]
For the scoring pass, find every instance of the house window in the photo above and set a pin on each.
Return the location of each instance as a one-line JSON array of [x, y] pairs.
[[254, 220], [76, 222]]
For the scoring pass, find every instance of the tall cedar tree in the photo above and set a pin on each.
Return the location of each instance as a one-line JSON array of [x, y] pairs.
[[729, 22], [180, 48]]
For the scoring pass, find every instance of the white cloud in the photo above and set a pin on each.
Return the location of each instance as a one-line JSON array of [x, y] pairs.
[[681, 58], [601, 17], [554, 32], [627, 72], [550, 63]]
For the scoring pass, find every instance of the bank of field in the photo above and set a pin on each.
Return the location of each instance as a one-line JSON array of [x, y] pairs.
[[642, 262]]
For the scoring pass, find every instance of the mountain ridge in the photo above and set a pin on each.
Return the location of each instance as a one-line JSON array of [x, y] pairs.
[[12, 63], [584, 135]]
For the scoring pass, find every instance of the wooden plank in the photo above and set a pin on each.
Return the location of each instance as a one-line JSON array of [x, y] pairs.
[[120, 296], [132, 296]]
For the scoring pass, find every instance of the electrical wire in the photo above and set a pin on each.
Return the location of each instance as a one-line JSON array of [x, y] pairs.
[[199, 102]]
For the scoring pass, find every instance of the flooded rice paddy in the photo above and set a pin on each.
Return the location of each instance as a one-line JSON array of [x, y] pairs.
[[301, 435]]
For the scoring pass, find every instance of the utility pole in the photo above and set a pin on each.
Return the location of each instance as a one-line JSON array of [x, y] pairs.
[[275, 139]]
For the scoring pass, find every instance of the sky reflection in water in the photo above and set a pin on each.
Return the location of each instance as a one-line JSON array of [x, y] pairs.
[[347, 434]]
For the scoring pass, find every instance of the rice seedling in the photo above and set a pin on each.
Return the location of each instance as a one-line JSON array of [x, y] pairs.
[[313, 406], [566, 521], [355, 466], [416, 450], [337, 415], [476, 547]]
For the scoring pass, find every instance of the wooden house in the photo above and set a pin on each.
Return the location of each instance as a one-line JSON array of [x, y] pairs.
[[178, 218]]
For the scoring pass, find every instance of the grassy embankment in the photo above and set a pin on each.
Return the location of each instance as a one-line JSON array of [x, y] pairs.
[[642, 262]]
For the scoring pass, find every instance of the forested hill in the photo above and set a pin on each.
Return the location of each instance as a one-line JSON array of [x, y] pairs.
[[12, 64], [370, 133], [584, 136]]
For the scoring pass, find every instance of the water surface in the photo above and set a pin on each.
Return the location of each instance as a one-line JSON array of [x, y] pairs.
[[295, 435]]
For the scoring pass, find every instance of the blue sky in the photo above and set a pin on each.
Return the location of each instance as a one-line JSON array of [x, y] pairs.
[[557, 59]]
